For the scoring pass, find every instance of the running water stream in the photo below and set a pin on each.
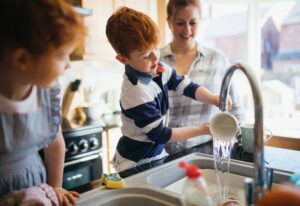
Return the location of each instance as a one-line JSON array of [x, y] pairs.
[[222, 155]]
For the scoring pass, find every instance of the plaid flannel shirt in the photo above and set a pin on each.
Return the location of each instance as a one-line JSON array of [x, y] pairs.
[[208, 70]]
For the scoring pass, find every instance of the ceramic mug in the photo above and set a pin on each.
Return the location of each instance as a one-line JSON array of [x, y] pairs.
[[223, 126], [95, 111], [247, 134]]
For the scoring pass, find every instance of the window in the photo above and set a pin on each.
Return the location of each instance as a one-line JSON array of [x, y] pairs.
[[264, 34], [225, 27]]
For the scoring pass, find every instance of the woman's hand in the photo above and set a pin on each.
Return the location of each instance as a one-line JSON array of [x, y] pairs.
[[66, 197]]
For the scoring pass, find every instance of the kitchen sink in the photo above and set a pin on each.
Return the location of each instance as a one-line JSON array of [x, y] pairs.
[[235, 182], [170, 173], [163, 184], [131, 196], [172, 178]]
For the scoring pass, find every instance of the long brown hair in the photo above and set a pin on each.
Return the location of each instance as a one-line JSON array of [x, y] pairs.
[[174, 5]]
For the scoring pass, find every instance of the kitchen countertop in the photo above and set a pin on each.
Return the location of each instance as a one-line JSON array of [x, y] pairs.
[[277, 158], [206, 148]]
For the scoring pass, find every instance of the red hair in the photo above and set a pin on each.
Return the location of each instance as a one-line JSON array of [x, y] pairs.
[[128, 30], [36, 25]]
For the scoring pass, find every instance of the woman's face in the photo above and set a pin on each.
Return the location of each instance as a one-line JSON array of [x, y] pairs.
[[184, 25]]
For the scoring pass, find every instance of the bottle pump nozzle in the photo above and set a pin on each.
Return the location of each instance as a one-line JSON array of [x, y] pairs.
[[192, 171]]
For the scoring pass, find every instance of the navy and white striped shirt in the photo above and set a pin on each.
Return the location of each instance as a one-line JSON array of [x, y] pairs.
[[144, 104]]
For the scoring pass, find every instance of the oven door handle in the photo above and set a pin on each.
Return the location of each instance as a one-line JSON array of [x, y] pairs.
[[83, 159]]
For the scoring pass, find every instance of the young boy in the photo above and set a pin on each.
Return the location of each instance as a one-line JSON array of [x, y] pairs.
[[144, 96]]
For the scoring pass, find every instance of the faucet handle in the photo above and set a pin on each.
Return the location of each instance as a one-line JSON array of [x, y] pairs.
[[249, 191], [239, 137], [269, 175]]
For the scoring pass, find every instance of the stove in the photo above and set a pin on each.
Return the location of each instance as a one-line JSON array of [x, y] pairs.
[[83, 158]]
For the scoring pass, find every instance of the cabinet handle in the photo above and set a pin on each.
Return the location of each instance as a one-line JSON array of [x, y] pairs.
[[84, 159]]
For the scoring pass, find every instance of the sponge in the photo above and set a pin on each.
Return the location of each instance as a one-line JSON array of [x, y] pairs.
[[112, 181]]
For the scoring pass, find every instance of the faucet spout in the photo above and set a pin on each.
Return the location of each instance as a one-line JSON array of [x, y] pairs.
[[259, 171]]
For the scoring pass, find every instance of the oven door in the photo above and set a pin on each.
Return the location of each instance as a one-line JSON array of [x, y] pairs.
[[82, 170]]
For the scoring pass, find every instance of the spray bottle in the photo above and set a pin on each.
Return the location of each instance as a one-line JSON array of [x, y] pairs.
[[194, 191]]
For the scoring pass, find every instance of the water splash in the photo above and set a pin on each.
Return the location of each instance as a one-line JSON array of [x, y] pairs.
[[222, 156]]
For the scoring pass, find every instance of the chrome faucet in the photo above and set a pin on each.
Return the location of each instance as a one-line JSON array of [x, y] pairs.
[[260, 185]]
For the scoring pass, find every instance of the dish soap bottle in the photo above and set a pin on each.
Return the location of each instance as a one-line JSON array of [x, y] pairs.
[[194, 191]]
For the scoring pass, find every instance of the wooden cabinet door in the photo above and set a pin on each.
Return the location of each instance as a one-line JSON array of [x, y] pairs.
[[146, 6], [97, 45]]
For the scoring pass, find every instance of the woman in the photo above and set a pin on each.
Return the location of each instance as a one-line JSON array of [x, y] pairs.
[[202, 65]]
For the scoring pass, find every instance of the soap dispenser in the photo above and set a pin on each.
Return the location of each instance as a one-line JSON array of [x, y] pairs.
[[194, 191]]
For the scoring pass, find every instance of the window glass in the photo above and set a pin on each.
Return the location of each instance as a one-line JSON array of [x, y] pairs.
[[237, 28], [280, 62], [225, 27]]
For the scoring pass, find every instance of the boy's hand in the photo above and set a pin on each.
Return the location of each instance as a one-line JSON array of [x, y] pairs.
[[66, 197], [229, 103], [216, 101], [205, 128]]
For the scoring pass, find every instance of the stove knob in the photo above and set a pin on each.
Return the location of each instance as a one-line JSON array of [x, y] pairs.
[[83, 145], [94, 143], [73, 148]]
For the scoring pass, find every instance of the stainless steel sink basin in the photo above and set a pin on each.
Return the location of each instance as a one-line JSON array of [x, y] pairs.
[[162, 185], [168, 174], [235, 184], [172, 177], [132, 197]]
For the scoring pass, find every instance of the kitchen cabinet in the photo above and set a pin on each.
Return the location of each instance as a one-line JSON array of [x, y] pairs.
[[96, 46], [146, 6]]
